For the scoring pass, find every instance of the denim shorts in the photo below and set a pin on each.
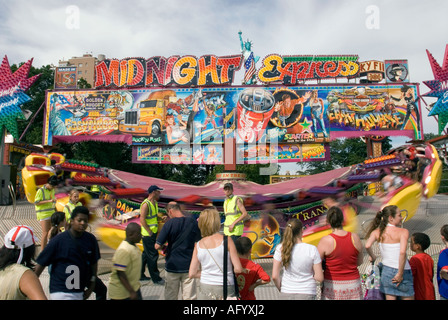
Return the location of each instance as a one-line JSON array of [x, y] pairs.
[[404, 289]]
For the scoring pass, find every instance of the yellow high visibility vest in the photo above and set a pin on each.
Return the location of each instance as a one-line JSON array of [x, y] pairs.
[[45, 210], [151, 218], [68, 208], [232, 212]]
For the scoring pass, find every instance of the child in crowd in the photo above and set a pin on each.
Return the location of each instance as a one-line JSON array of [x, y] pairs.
[[422, 267], [58, 223], [247, 282], [442, 265], [73, 201]]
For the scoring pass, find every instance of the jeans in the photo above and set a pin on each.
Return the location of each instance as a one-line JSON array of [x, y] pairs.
[[151, 256], [316, 117]]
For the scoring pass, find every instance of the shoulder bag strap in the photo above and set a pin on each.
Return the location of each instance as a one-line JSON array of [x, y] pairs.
[[225, 269]]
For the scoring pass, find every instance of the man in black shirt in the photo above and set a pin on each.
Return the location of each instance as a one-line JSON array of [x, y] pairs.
[[181, 233], [73, 256]]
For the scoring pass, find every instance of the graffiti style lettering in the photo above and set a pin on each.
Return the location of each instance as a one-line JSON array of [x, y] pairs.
[[299, 137], [317, 152], [288, 152], [91, 125], [290, 69], [366, 122], [208, 70], [123, 207]]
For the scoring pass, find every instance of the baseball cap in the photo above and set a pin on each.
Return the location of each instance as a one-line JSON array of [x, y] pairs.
[[153, 188], [20, 237], [228, 185]]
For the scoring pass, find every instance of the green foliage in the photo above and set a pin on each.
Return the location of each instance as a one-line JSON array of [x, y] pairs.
[[37, 94], [343, 153], [83, 84]]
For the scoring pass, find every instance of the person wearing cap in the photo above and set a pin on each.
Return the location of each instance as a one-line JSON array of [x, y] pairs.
[[73, 256], [17, 279], [149, 210], [235, 213], [44, 203]]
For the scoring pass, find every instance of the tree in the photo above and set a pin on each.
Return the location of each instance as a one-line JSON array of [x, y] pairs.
[[36, 92], [83, 84], [343, 153]]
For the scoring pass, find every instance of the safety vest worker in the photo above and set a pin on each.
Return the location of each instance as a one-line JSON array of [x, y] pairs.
[[151, 217], [235, 213], [44, 200], [149, 210], [68, 209]]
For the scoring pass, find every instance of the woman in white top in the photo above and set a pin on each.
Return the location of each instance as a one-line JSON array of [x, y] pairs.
[[208, 258], [396, 273], [301, 262]]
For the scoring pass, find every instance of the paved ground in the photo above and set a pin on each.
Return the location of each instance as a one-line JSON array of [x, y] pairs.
[[431, 215]]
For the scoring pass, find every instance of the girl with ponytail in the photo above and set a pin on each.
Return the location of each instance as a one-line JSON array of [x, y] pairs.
[[58, 223], [396, 276], [301, 263]]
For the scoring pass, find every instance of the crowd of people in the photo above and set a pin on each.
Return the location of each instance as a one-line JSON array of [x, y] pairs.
[[204, 263]]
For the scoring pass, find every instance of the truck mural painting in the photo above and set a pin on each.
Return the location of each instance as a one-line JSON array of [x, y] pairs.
[[254, 117]]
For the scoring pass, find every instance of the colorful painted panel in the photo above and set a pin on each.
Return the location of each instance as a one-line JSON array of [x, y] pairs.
[[251, 115], [65, 78], [397, 70], [356, 111]]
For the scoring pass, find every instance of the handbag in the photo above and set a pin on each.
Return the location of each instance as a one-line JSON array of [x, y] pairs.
[[372, 284]]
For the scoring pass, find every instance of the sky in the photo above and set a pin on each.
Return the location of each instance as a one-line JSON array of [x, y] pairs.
[[53, 30]]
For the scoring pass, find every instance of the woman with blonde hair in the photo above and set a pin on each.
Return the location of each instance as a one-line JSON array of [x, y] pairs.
[[301, 262], [396, 275], [208, 258]]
